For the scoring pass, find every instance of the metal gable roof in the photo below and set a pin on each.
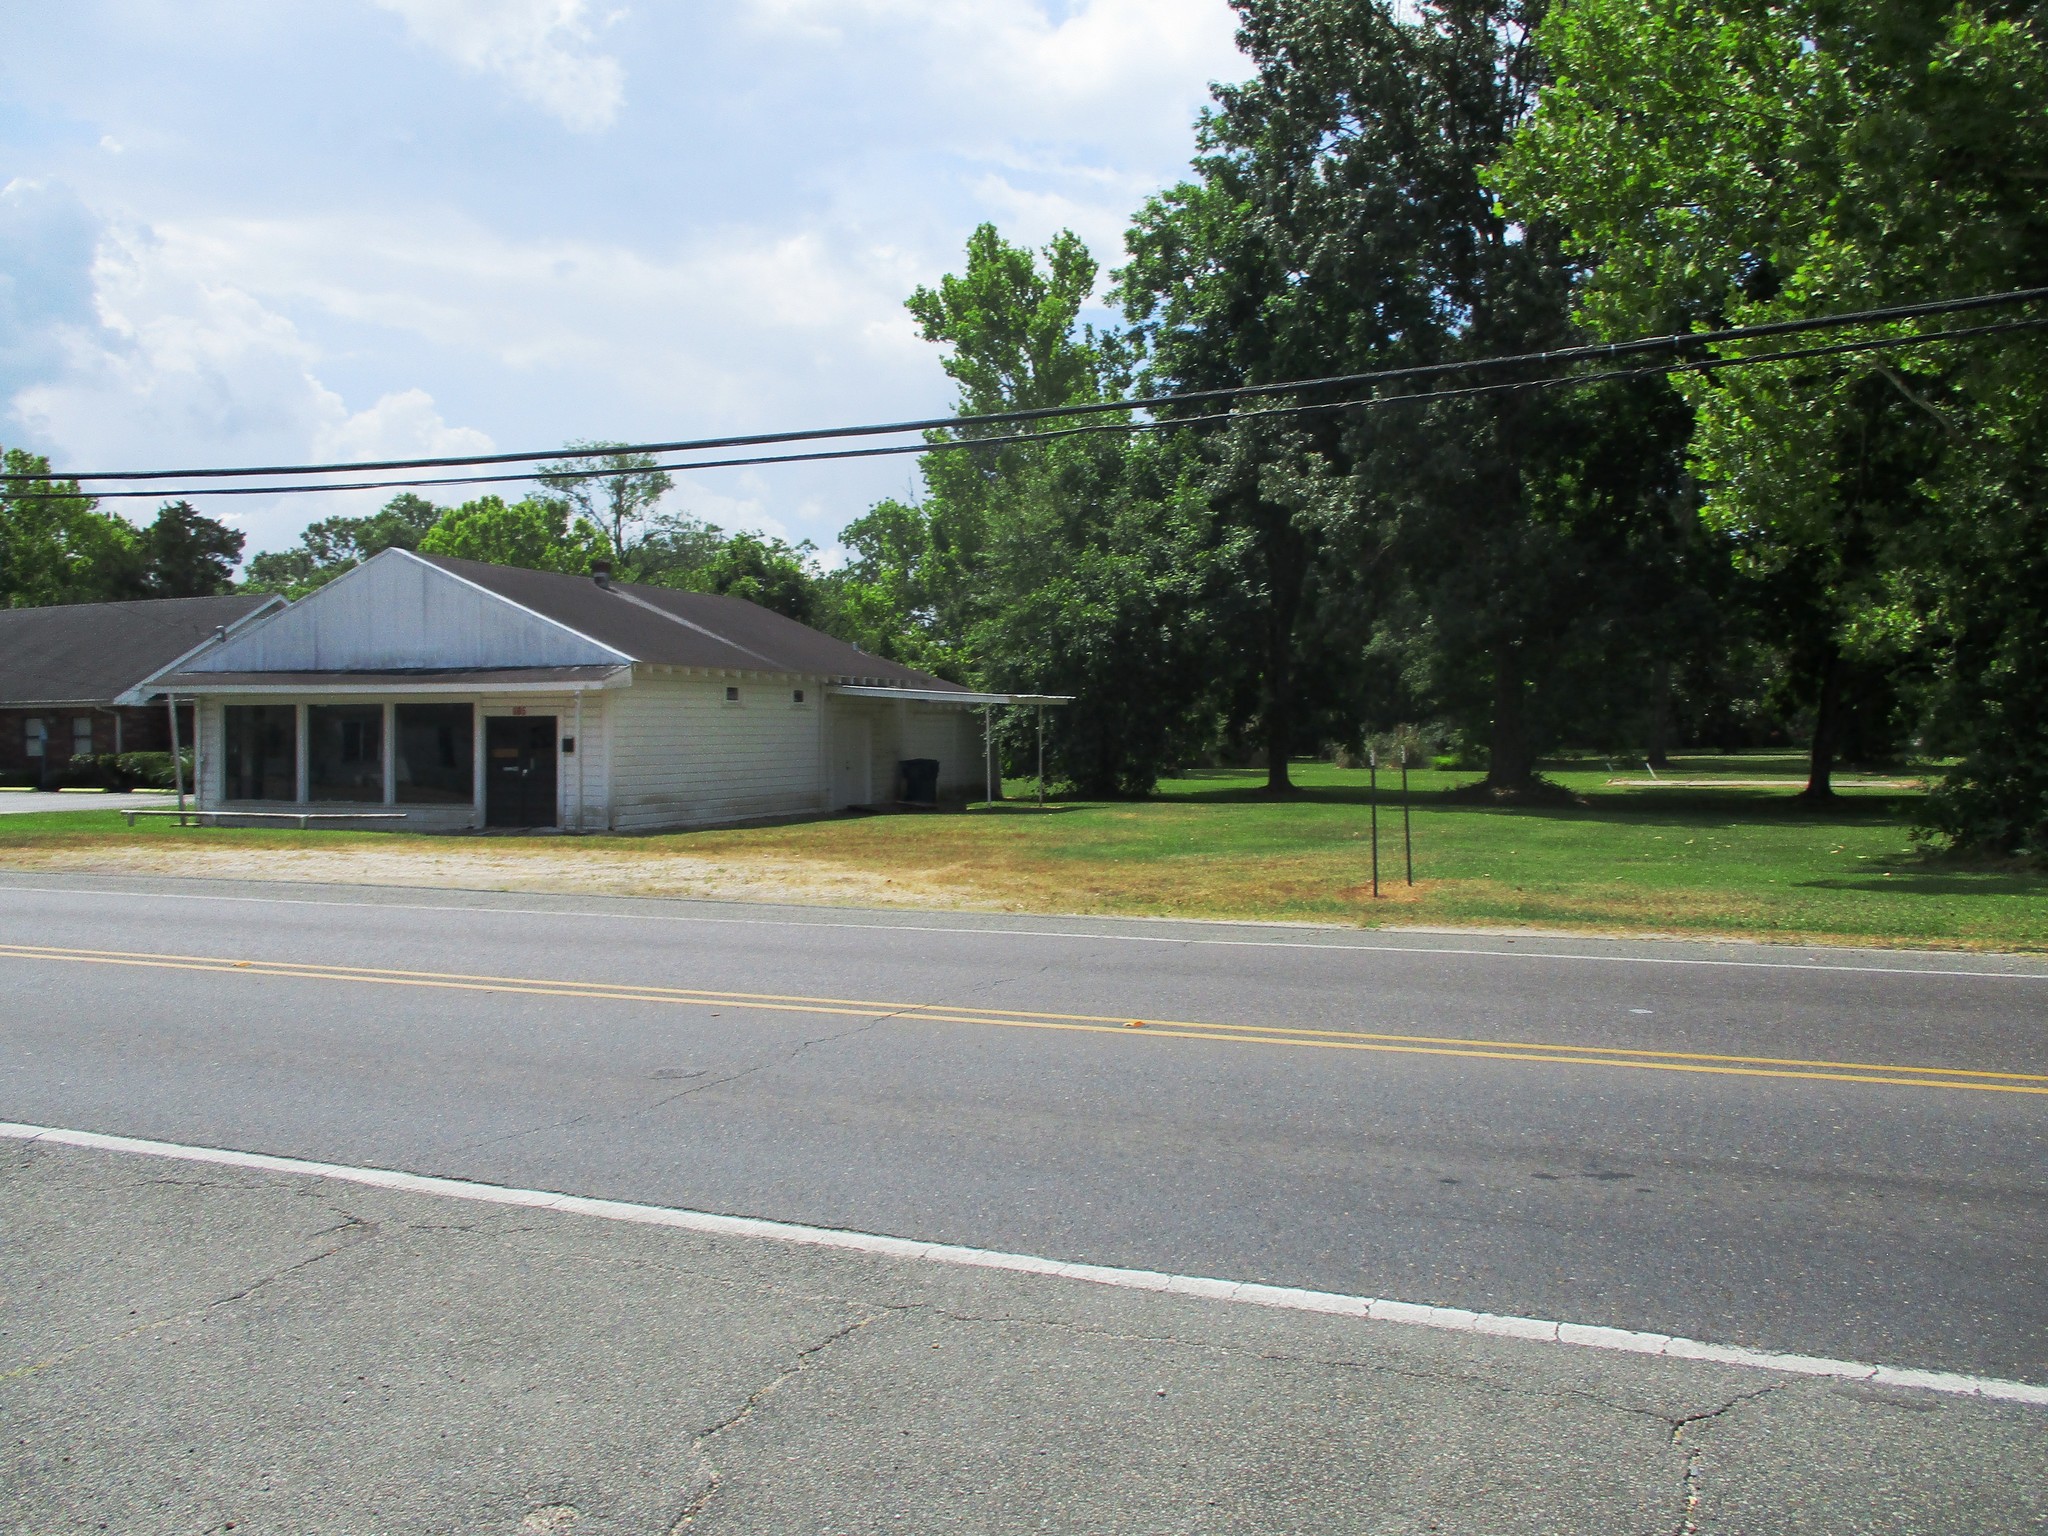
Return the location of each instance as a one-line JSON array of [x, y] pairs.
[[665, 627], [86, 653]]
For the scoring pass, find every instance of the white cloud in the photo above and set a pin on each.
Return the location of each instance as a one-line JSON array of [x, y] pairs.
[[694, 338], [403, 425], [179, 365], [1014, 57], [541, 48], [1046, 116]]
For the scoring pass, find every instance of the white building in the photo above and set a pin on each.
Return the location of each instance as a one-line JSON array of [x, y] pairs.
[[457, 695]]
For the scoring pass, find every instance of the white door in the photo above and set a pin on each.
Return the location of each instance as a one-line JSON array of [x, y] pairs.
[[853, 762]]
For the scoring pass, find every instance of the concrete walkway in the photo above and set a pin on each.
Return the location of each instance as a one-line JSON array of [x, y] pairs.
[[23, 802]]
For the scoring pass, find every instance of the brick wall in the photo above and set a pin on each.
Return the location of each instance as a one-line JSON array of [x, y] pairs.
[[141, 730]]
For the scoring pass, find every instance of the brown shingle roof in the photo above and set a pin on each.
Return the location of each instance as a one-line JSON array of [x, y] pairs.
[[91, 653], [665, 627]]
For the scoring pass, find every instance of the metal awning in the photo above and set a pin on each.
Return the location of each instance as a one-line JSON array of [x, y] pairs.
[[951, 696], [412, 680]]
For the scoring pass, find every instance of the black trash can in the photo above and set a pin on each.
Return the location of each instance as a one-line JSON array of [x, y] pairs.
[[920, 780]]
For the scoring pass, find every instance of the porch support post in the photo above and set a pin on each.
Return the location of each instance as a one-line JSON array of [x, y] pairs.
[[477, 750], [178, 752]]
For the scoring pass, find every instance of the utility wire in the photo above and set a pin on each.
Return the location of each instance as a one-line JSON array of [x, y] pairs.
[[1160, 424], [1591, 351]]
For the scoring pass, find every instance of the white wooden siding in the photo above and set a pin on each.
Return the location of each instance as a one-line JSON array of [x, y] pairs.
[[904, 729], [951, 734], [207, 755], [683, 756], [396, 612]]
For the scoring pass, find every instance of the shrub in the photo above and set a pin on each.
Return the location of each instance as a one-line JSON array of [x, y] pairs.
[[150, 769]]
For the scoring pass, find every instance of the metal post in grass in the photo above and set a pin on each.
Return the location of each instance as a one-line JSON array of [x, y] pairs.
[[1407, 830], [988, 744], [1041, 757], [1372, 759]]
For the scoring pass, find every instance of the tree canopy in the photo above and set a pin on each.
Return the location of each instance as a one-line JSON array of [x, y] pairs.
[[1724, 164], [56, 546]]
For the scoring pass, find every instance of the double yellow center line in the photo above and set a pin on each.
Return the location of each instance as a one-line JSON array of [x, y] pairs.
[[1877, 1073]]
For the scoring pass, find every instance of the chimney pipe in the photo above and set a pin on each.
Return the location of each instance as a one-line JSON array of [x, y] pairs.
[[601, 573]]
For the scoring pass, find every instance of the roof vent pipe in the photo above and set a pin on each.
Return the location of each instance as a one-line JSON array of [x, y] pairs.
[[601, 573]]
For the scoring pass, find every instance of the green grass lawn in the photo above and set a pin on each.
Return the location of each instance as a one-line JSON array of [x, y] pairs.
[[1211, 844]]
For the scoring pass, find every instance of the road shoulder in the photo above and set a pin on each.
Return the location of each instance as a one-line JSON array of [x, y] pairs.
[[187, 1346]]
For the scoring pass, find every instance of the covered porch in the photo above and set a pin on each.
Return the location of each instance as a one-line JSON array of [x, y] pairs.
[[453, 750]]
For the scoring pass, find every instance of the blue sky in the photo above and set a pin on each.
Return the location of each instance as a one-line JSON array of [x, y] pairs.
[[239, 231]]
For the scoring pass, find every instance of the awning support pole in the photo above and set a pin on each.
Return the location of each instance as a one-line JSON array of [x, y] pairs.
[[988, 746], [178, 753], [1041, 757]]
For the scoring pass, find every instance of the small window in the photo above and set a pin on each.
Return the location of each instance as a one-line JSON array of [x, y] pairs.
[[796, 696], [81, 735], [34, 733], [732, 695]]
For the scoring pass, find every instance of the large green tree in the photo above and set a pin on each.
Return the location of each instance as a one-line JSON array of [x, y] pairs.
[[56, 546], [1724, 163], [539, 533], [187, 554], [1338, 223], [611, 489], [1073, 566]]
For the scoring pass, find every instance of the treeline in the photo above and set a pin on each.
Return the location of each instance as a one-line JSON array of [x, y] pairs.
[[1844, 549]]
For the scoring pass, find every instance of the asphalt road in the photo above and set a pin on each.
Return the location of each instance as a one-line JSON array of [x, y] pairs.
[[1825, 1152]]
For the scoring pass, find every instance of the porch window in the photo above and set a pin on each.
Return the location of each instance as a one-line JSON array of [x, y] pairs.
[[345, 753], [33, 735], [81, 735], [434, 756], [262, 752]]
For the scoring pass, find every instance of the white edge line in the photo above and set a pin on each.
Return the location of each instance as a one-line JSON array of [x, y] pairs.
[[1284, 1298], [1333, 947]]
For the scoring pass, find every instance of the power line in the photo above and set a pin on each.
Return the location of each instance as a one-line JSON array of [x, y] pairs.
[[1162, 424], [1588, 352]]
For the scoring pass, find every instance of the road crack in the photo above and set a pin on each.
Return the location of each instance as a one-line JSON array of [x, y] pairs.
[[349, 1231], [1689, 1479], [805, 1359]]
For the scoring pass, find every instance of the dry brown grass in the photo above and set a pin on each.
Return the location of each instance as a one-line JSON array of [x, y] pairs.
[[1734, 863]]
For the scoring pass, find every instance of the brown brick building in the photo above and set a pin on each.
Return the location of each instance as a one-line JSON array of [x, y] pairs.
[[70, 676]]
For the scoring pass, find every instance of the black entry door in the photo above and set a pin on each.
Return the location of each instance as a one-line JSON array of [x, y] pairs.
[[519, 772]]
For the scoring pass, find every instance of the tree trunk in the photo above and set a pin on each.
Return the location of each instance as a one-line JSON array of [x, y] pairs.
[[1827, 728], [1657, 752], [1286, 574], [1511, 762]]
